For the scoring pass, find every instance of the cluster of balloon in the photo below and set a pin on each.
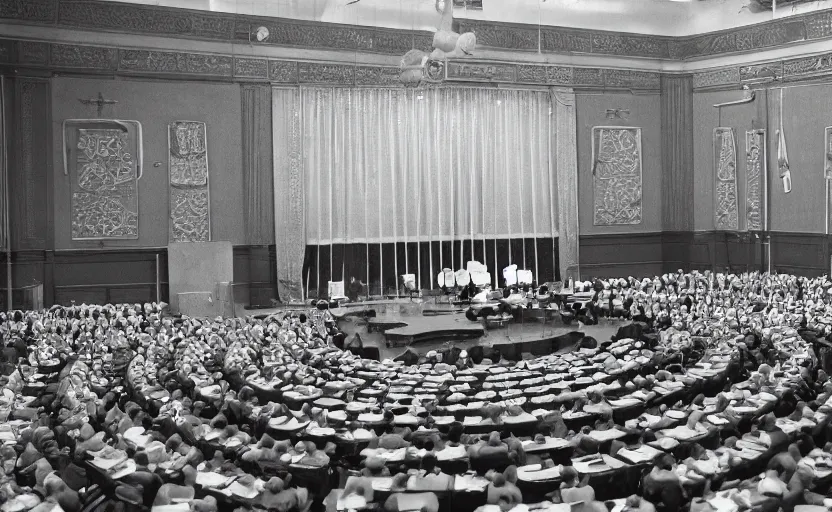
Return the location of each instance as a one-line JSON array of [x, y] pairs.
[[446, 44]]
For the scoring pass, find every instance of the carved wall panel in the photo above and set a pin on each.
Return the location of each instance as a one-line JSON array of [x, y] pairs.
[[175, 62], [283, 71], [755, 37], [144, 19], [726, 210], [104, 173], [755, 175], [86, 57], [42, 11], [827, 168], [325, 74], [190, 205], [631, 79], [251, 68], [616, 172], [370, 75], [32, 53], [481, 72], [724, 76]]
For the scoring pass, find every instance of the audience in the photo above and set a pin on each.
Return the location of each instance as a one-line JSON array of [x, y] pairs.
[[715, 396]]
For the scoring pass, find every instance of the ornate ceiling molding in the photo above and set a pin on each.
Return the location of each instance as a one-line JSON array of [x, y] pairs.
[[159, 21], [151, 62], [107, 16], [503, 36], [784, 70]]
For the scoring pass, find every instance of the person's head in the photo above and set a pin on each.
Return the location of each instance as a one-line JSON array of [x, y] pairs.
[[569, 476]]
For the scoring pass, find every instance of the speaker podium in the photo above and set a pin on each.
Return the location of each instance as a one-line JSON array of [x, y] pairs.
[[200, 276]]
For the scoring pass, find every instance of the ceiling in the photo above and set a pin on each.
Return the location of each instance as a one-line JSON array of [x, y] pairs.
[[658, 17]]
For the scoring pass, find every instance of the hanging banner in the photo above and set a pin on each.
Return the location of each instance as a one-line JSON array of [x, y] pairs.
[[103, 159], [190, 200], [726, 209], [755, 174], [616, 173]]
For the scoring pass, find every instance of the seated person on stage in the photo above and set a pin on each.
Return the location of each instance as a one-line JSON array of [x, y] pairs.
[[468, 292], [354, 289]]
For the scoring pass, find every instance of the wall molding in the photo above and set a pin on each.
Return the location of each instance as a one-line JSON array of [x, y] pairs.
[[123, 18], [105, 60], [61, 57]]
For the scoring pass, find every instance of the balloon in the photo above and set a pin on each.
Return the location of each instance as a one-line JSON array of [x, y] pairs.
[[438, 54], [413, 58], [411, 76], [445, 40], [466, 43]]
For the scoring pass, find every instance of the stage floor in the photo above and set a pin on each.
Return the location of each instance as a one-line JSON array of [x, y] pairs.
[[402, 318]]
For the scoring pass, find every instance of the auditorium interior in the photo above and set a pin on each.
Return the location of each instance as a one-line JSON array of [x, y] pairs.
[[415, 255]]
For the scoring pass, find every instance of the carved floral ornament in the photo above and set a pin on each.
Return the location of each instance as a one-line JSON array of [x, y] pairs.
[[417, 66]]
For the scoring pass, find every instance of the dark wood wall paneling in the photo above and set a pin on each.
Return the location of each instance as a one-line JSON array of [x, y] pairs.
[[649, 254]]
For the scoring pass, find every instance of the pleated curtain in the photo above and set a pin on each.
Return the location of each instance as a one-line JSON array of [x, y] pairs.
[[410, 165]]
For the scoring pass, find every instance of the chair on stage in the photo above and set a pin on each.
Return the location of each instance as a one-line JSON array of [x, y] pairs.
[[510, 275], [336, 291], [409, 286], [479, 274], [447, 283], [525, 277]]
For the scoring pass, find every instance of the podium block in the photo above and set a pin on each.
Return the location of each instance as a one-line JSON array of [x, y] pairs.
[[194, 271]]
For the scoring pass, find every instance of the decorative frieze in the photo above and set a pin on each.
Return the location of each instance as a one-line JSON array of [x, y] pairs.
[[817, 65], [149, 61], [101, 15], [761, 72], [481, 72], [82, 57], [550, 75], [561, 40], [756, 37], [315, 73], [251, 68], [32, 11], [283, 71], [370, 75], [118, 16], [496, 36], [631, 79], [588, 76], [29, 52], [631, 45], [716, 77]]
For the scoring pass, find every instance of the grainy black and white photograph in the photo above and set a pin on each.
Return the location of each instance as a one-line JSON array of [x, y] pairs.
[[415, 255]]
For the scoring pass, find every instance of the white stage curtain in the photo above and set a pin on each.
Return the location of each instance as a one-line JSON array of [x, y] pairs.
[[400, 165], [418, 165]]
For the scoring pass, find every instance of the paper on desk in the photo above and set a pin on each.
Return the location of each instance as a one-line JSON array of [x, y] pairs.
[[242, 491], [606, 435], [179, 507], [207, 479], [108, 464], [642, 454]]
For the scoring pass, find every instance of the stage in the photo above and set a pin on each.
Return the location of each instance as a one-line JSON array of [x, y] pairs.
[[395, 325]]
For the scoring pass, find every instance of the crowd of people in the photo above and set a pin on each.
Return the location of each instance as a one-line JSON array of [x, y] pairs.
[[714, 397]]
